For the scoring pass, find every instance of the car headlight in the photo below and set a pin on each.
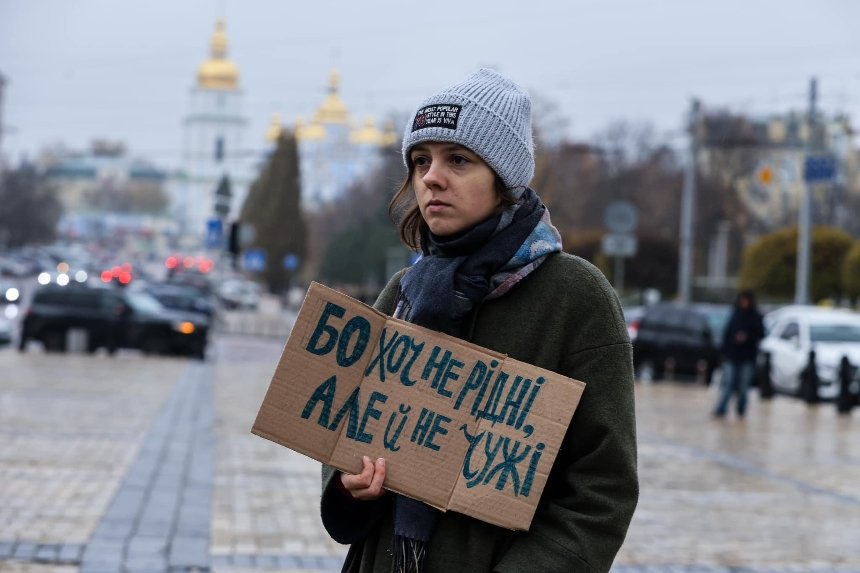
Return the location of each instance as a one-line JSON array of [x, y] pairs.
[[12, 294], [184, 327]]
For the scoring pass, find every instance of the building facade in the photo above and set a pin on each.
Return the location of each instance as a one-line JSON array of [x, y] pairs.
[[764, 159], [104, 192]]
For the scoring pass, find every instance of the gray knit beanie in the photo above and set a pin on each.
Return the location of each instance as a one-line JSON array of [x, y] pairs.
[[489, 114]]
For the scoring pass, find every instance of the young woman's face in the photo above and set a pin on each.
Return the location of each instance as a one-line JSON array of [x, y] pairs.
[[454, 188]]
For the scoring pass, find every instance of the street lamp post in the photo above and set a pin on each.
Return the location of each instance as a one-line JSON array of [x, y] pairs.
[[688, 207], [801, 289]]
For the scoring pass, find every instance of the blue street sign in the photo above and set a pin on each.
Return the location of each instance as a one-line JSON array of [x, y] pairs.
[[254, 260], [291, 262], [819, 168], [214, 233]]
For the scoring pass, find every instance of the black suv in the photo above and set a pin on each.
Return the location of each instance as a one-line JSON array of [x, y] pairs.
[[111, 318], [683, 339]]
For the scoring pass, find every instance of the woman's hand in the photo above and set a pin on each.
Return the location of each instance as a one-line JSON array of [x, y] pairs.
[[368, 484]]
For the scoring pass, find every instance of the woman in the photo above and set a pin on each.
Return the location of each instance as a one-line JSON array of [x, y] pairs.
[[493, 272]]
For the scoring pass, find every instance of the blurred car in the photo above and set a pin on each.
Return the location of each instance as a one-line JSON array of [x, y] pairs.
[[770, 318], [632, 316], [683, 339], [5, 331], [183, 298], [192, 278], [832, 333], [237, 294], [717, 316], [111, 318], [11, 267]]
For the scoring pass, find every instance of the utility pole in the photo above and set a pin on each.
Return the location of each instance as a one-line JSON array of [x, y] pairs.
[[801, 288], [688, 207], [2, 125]]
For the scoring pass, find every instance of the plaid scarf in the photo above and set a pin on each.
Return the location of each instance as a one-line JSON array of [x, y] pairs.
[[440, 291]]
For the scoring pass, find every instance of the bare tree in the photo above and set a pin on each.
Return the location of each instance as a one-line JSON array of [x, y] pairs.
[[30, 208]]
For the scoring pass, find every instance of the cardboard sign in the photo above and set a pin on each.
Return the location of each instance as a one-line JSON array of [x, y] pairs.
[[461, 427]]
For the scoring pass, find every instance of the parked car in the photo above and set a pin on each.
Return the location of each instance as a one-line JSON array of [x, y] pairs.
[[832, 333], [770, 318], [238, 294], [179, 297], [112, 319], [12, 268], [632, 316], [5, 331], [200, 281], [684, 339]]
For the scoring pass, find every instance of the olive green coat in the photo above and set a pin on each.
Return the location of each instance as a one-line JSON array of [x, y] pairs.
[[564, 317]]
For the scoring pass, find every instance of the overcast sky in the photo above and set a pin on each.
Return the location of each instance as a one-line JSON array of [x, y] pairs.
[[122, 69]]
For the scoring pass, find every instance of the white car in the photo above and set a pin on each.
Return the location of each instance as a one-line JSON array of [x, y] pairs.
[[832, 333], [5, 331], [239, 294]]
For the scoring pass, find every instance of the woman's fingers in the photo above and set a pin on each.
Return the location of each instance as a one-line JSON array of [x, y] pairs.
[[366, 475], [353, 482], [368, 484], [375, 488]]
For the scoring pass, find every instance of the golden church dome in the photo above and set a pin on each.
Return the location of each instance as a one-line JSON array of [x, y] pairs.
[[276, 128], [332, 110], [218, 72], [313, 132], [367, 135], [389, 134]]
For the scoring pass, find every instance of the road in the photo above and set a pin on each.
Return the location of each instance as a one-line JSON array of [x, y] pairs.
[[143, 464]]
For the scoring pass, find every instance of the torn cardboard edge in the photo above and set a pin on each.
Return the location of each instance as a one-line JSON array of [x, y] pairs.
[[462, 427]]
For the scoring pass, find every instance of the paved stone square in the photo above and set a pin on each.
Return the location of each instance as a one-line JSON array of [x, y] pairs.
[[140, 464]]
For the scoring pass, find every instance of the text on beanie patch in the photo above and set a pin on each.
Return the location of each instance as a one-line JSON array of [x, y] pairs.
[[439, 115]]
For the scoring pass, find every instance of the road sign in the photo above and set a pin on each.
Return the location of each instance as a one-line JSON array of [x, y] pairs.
[[819, 168], [254, 260], [214, 233], [291, 262], [619, 245], [621, 217]]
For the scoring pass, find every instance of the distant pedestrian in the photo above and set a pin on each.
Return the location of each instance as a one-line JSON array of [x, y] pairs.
[[741, 338], [493, 272]]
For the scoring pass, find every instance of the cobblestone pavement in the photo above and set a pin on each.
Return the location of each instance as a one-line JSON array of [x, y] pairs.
[[135, 464]]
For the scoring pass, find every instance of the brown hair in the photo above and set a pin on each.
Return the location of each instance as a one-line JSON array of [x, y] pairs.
[[403, 209]]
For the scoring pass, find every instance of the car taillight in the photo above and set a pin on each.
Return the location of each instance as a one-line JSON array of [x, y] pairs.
[[633, 329]]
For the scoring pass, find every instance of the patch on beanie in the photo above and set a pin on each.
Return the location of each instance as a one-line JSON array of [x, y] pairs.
[[440, 115]]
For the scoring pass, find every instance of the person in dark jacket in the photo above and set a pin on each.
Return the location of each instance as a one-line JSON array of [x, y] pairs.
[[492, 272], [741, 339]]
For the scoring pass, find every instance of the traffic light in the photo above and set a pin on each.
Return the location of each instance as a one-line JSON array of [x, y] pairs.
[[233, 244]]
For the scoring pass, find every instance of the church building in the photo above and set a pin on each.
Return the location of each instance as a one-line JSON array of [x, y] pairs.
[[334, 151], [212, 144]]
